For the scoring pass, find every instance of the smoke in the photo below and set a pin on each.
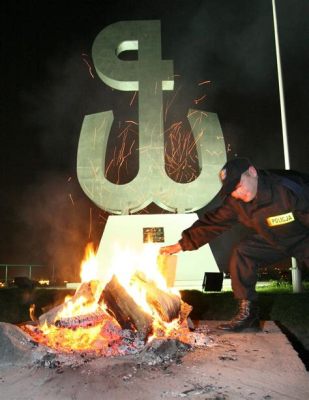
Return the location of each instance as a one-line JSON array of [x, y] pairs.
[[59, 221]]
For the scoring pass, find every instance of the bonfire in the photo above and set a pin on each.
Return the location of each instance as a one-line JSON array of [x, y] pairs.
[[118, 313]]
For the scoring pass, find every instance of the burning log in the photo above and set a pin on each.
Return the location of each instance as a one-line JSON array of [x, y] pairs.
[[82, 321], [87, 291], [122, 306], [185, 312], [166, 304], [50, 316]]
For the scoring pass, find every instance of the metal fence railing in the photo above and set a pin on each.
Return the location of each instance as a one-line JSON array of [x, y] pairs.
[[29, 266]]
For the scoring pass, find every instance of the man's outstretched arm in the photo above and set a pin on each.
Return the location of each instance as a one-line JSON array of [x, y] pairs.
[[169, 250]]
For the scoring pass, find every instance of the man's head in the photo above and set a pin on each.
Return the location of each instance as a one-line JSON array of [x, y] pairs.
[[239, 179]]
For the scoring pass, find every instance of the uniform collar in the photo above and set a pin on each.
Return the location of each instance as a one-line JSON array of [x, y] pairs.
[[264, 191]]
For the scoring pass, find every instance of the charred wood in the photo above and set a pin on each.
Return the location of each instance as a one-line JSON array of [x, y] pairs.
[[82, 321], [166, 304], [90, 291], [124, 309], [185, 311]]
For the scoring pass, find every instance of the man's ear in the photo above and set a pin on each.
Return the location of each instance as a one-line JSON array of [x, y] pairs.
[[252, 171]]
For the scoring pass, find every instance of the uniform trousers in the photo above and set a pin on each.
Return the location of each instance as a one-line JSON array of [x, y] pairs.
[[255, 252]]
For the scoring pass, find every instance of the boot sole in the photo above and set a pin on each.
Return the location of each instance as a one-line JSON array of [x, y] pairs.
[[253, 328]]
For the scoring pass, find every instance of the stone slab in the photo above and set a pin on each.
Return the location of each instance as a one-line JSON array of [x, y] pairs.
[[234, 366]]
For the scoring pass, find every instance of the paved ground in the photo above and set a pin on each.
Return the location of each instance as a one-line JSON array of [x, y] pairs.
[[236, 366]]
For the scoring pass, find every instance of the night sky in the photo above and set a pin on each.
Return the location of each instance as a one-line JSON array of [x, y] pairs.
[[49, 84]]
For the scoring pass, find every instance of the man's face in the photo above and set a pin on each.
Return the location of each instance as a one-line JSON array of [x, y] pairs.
[[247, 188]]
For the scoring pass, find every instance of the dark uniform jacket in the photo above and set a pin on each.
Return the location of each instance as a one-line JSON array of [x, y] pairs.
[[279, 213]]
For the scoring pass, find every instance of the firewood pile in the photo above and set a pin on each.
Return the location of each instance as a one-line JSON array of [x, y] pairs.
[[117, 324], [121, 306]]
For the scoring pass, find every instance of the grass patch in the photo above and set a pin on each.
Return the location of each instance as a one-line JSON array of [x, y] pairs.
[[280, 287]]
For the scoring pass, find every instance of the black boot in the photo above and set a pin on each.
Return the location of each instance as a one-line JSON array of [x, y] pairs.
[[246, 319]]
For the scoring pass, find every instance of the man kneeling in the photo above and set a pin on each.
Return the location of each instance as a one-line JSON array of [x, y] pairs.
[[275, 205]]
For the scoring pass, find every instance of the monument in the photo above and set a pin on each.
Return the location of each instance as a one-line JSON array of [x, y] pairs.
[[149, 76]]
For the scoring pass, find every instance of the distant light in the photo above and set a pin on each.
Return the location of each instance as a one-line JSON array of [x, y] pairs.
[[44, 282]]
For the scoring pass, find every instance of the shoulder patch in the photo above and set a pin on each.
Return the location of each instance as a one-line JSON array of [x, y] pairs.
[[280, 219]]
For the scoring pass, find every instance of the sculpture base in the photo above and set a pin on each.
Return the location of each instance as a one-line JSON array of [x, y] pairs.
[[184, 271]]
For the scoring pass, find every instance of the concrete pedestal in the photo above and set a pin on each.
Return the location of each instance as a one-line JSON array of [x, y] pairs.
[[129, 232]]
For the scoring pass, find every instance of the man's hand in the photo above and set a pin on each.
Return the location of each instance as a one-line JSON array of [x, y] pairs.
[[172, 249]]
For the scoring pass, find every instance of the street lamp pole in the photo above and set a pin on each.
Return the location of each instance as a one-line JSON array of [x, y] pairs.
[[296, 273]]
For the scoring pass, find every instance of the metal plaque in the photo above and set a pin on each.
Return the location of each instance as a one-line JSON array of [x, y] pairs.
[[153, 235]]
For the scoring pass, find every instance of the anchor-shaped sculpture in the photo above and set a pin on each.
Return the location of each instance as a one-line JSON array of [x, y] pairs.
[[149, 75]]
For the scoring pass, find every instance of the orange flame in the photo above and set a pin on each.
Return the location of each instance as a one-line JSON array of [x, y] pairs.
[[89, 266], [132, 271], [128, 266]]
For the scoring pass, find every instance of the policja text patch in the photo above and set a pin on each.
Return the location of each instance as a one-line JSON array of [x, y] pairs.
[[280, 219]]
